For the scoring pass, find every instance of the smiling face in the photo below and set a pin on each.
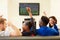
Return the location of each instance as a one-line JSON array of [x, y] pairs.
[[51, 21]]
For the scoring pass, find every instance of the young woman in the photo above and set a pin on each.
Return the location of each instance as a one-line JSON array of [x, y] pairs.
[[29, 26], [53, 22]]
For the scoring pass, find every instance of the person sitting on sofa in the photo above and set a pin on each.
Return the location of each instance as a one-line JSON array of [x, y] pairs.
[[10, 30]]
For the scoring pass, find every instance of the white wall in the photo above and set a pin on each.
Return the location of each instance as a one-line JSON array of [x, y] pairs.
[[3, 8], [13, 10], [55, 10], [52, 7]]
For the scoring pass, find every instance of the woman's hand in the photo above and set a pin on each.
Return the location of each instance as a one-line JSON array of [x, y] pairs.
[[28, 9]]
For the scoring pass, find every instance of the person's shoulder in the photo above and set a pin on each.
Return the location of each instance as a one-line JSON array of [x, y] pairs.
[[53, 30], [37, 29], [40, 29]]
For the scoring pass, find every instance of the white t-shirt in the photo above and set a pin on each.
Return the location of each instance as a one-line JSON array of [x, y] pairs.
[[7, 32], [52, 27]]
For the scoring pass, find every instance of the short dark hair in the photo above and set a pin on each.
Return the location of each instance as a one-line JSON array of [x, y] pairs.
[[53, 17], [45, 20], [29, 24]]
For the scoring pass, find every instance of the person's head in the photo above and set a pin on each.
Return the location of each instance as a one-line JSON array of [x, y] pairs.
[[44, 21], [52, 20], [2, 24], [27, 26]]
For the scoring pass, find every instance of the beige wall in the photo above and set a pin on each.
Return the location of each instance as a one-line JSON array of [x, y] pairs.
[[13, 10], [3, 8], [55, 10]]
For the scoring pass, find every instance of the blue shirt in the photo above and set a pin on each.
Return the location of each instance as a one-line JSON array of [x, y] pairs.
[[46, 31]]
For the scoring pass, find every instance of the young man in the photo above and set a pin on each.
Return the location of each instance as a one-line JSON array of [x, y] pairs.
[[44, 30], [11, 30]]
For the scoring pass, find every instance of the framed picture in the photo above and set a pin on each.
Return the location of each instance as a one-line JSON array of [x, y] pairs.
[[34, 7]]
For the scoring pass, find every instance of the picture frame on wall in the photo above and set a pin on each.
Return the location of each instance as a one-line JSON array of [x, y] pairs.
[[34, 7]]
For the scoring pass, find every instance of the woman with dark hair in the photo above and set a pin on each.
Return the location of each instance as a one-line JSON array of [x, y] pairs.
[[29, 27], [53, 22], [26, 29]]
